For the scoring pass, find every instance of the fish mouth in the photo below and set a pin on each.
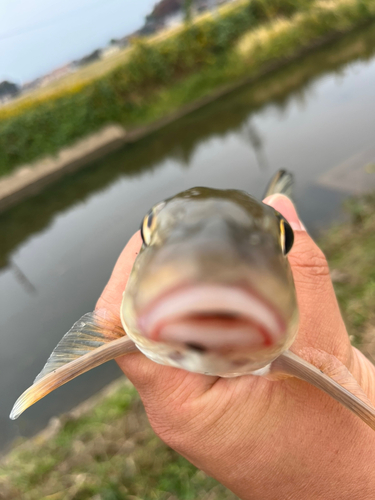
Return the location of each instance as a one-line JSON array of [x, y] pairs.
[[212, 317]]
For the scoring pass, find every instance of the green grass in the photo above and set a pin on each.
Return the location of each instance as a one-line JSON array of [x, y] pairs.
[[106, 453], [162, 75], [350, 250]]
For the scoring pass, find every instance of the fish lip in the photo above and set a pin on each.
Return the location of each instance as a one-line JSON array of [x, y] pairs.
[[256, 323]]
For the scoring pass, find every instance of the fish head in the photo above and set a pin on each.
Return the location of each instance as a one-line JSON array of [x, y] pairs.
[[211, 290]]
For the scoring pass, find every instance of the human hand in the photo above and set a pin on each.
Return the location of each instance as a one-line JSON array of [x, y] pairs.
[[265, 439]]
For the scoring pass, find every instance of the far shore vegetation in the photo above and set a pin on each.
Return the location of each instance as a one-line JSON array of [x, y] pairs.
[[160, 75], [107, 451]]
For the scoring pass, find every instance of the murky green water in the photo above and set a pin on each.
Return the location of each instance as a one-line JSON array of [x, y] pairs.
[[58, 248]]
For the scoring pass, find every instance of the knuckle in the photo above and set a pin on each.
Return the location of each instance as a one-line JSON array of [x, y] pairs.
[[309, 260]]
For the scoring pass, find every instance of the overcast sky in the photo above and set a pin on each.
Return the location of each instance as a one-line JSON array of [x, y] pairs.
[[37, 36]]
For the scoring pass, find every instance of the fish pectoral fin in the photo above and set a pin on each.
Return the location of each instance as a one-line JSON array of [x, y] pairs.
[[91, 331], [92, 340], [335, 380]]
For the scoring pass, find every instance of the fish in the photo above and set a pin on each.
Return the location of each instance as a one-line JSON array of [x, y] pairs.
[[212, 292]]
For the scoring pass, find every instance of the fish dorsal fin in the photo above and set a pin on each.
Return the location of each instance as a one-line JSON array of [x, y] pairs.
[[331, 377], [91, 331], [281, 183], [93, 340]]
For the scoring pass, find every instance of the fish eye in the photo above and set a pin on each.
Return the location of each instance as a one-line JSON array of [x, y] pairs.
[[149, 223], [147, 226], [286, 235]]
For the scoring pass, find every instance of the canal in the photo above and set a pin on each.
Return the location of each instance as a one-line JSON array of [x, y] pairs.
[[315, 117]]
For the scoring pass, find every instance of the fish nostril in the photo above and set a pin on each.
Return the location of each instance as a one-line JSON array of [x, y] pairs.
[[196, 347], [176, 356]]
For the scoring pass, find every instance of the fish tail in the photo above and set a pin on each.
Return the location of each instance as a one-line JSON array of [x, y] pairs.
[[281, 183]]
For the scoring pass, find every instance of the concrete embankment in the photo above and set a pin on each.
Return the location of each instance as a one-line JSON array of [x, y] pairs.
[[29, 179]]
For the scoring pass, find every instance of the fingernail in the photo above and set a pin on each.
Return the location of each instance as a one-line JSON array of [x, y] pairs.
[[283, 204]]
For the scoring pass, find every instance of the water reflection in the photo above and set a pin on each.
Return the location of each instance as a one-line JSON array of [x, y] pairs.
[[60, 246], [252, 136], [22, 278]]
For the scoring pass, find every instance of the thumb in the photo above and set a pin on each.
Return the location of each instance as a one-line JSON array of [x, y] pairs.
[[321, 324]]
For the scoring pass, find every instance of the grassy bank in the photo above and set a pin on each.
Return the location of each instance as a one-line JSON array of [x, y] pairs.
[[350, 250], [160, 76], [107, 451]]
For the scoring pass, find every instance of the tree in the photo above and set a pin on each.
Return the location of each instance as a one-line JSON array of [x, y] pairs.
[[9, 89], [187, 11], [165, 8]]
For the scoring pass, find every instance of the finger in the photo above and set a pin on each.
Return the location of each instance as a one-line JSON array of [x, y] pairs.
[[321, 324]]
